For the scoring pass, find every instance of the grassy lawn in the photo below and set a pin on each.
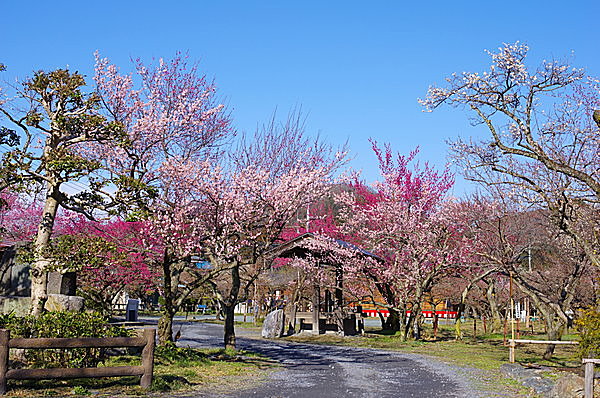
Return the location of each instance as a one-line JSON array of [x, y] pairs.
[[218, 370], [484, 351], [180, 370]]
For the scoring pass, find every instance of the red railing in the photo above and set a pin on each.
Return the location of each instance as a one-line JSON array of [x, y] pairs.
[[444, 314]]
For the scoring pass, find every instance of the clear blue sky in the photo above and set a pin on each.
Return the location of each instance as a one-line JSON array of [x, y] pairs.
[[356, 68]]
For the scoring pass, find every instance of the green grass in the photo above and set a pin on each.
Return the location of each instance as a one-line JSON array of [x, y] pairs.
[[221, 370], [175, 370]]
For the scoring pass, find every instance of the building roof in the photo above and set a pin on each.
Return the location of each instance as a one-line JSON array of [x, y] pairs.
[[299, 247]]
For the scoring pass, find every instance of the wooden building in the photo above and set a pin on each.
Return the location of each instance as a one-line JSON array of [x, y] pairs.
[[328, 310]]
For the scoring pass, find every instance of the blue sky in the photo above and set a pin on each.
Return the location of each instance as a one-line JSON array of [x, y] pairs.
[[356, 68]]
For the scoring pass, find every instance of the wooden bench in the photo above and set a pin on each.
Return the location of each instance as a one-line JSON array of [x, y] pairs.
[[146, 340]]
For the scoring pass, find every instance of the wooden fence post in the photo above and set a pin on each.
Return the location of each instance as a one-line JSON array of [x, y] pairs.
[[4, 337], [511, 351], [589, 380], [148, 358]]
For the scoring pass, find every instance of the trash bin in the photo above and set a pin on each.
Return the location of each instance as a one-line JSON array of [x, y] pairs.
[[131, 311]]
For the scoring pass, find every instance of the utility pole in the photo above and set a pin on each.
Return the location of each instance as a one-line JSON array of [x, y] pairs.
[[512, 308], [527, 310]]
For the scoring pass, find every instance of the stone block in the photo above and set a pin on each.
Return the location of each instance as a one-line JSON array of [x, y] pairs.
[[62, 283], [273, 325], [568, 386], [62, 302]]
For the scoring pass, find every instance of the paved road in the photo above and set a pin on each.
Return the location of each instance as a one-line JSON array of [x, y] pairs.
[[313, 371]]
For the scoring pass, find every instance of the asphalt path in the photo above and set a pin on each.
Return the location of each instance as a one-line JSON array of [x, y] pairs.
[[310, 371]]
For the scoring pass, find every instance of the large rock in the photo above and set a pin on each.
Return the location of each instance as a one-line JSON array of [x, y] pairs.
[[535, 378], [62, 302], [273, 325], [568, 386], [545, 381]]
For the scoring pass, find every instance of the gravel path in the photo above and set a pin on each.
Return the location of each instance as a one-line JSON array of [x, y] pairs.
[[311, 371]]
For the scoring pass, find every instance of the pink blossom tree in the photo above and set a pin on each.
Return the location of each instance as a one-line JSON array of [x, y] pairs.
[[406, 220], [214, 216], [234, 218], [543, 145], [173, 128], [173, 115]]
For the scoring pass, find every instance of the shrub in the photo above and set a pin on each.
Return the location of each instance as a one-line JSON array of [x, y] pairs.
[[62, 324], [588, 326]]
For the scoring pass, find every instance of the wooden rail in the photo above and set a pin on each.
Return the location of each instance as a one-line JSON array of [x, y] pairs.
[[147, 341], [513, 344], [589, 376]]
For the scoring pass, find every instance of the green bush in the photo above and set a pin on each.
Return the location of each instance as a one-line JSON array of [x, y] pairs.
[[588, 326], [62, 324]]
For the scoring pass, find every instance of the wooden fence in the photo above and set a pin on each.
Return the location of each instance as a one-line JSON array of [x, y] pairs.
[[589, 376], [513, 344], [146, 340]]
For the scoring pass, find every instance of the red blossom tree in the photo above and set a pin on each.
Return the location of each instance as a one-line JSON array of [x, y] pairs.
[[111, 258], [18, 218]]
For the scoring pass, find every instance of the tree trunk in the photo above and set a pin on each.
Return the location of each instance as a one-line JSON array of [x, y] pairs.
[[496, 317], [165, 323], [41, 262], [165, 328], [392, 323], [292, 307], [412, 327], [459, 315], [555, 331], [417, 326], [229, 328], [228, 306], [383, 321], [475, 316], [290, 318]]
